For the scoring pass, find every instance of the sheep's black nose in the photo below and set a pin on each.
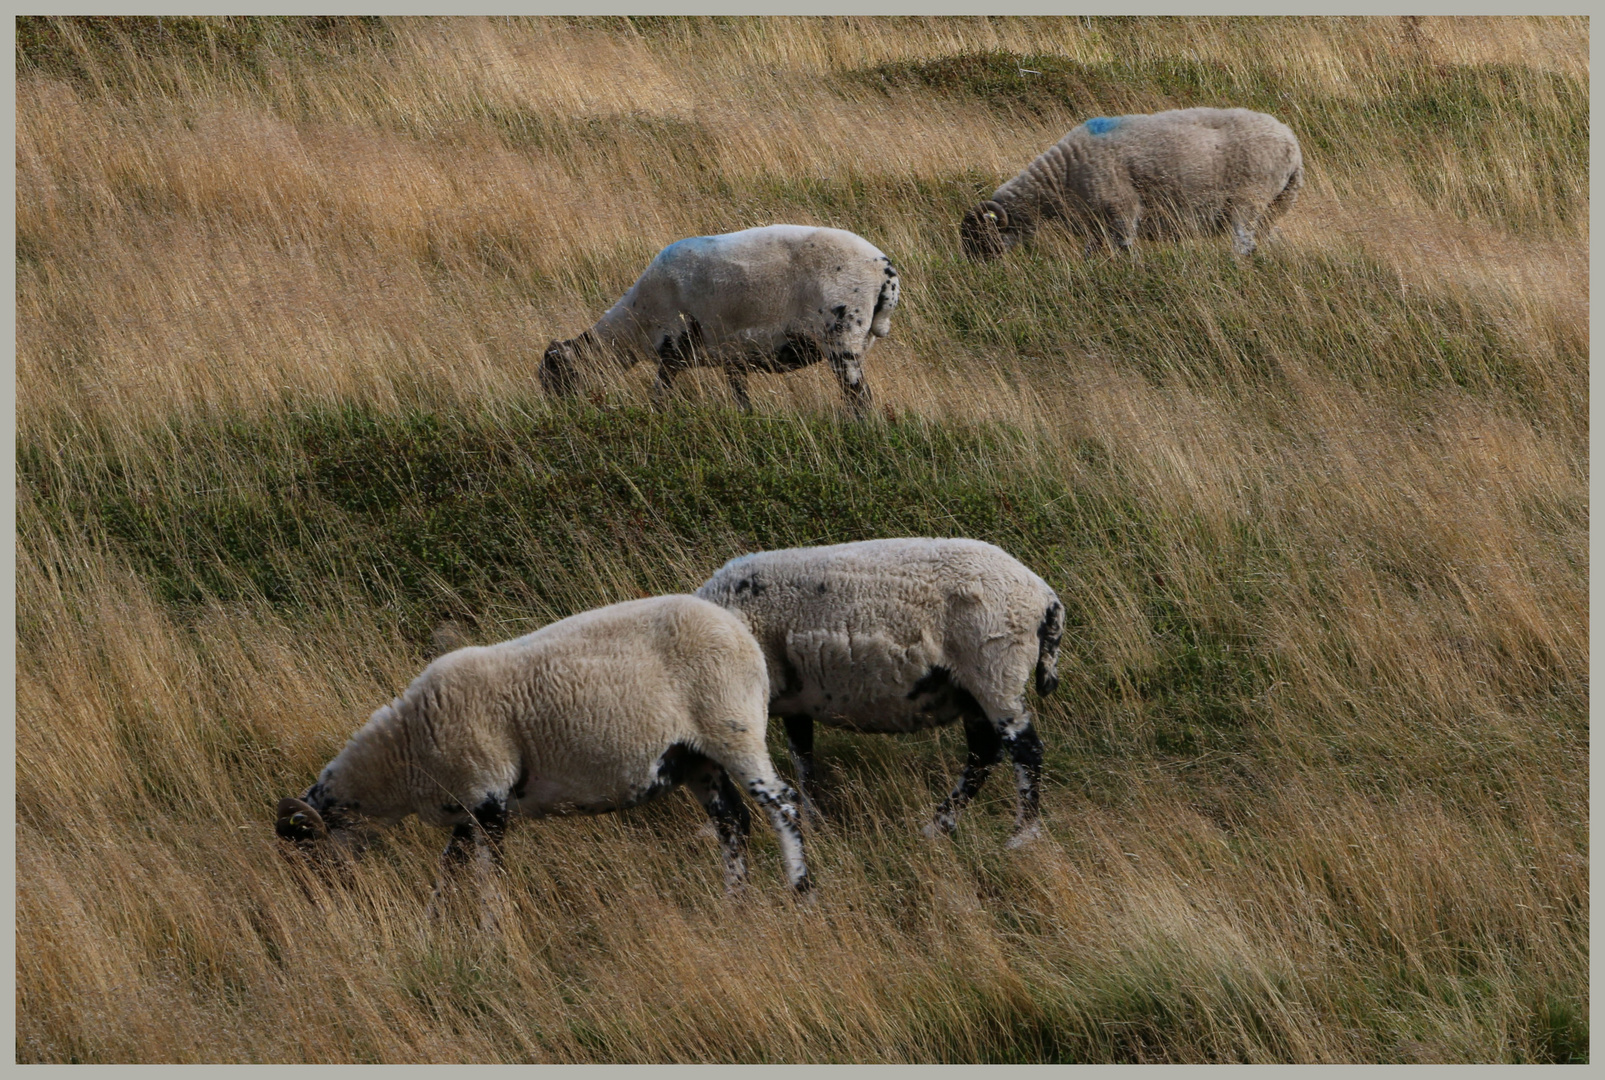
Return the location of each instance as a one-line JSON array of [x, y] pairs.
[[297, 821], [295, 827]]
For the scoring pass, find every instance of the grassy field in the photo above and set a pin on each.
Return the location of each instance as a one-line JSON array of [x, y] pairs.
[[1317, 774]]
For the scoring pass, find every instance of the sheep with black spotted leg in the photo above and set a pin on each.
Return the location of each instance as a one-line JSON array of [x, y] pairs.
[[902, 635], [597, 712], [770, 299], [1184, 170]]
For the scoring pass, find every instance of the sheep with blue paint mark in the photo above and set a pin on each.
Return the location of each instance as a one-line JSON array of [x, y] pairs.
[[596, 712], [902, 635], [770, 299], [1113, 177]]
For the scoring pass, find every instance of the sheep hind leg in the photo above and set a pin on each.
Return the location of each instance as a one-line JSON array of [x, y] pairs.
[[1242, 239], [849, 369], [985, 744], [779, 802], [1243, 222], [1024, 747], [722, 801]]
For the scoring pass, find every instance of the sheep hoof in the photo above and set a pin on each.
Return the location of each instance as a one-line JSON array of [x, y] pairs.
[[1028, 835], [936, 830]]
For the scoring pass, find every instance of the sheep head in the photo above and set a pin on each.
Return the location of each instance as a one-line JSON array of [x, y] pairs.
[[299, 823], [559, 367], [325, 843], [982, 231]]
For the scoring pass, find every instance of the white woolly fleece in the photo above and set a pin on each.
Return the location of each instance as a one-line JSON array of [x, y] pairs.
[[749, 289], [851, 631], [1193, 169], [575, 717]]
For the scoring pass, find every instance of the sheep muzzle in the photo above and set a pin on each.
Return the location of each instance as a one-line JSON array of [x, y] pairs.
[[982, 230], [557, 368], [299, 823]]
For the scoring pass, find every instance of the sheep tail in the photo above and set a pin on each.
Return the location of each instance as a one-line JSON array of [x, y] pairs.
[[1048, 636], [880, 321]]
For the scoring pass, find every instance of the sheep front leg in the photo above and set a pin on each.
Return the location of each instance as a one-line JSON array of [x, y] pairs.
[[985, 750], [738, 386], [459, 852], [1116, 220], [477, 842], [1124, 227], [663, 385], [676, 352]]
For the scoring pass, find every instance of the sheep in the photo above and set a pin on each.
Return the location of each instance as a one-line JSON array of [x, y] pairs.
[[901, 635], [596, 712], [1185, 169], [772, 299]]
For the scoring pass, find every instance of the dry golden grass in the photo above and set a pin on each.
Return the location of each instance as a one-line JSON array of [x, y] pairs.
[[1317, 776]]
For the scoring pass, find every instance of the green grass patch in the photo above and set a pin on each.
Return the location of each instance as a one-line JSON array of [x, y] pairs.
[[98, 51], [520, 520]]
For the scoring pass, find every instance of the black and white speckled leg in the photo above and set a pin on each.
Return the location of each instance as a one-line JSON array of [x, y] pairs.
[[476, 843], [849, 371], [720, 798], [779, 801], [985, 750], [1024, 748], [1126, 233], [459, 852]]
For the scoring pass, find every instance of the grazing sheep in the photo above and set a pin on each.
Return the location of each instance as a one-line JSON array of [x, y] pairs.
[[771, 299], [1182, 170], [597, 712], [902, 635]]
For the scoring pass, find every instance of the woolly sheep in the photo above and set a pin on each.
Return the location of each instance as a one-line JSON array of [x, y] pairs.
[[902, 635], [1186, 169], [773, 299], [597, 712]]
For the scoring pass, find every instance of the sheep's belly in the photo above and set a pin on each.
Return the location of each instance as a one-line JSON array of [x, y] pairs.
[[933, 701], [552, 796], [867, 680]]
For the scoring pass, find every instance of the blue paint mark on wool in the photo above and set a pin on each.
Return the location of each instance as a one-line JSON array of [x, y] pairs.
[[688, 245], [1102, 125]]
